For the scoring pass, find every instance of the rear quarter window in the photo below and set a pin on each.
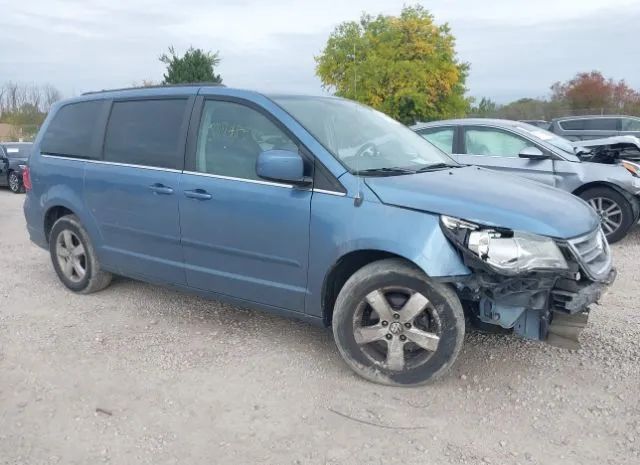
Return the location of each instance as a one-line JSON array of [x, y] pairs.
[[146, 133], [72, 130]]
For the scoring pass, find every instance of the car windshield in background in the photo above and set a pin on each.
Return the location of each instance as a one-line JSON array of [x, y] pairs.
[[17, 150], [363, 139], [548, 137]]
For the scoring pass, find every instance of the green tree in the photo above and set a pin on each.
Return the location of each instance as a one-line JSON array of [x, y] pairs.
[[486, 108], [195, 65], [405, 66], [524, 108]]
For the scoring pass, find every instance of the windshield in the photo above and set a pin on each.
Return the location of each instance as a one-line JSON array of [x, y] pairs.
[[550, 138], [363, 139]]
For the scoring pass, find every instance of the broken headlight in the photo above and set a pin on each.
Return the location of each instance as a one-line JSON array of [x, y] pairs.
[[506, 251]]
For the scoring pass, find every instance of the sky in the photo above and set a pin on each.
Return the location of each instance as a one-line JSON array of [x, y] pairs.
[[515, 48]]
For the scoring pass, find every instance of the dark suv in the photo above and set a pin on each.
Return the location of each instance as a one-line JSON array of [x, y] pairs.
[[13, 159], [595, 127]]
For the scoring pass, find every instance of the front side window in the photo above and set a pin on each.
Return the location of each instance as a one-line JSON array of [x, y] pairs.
[[493, 143], [441, 138], [71, 131], [146, 133], [232, 135], [361, 138], [630, 124]]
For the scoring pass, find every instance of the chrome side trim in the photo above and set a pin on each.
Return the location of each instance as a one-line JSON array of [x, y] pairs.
[[322, 191], [195, 173], [103, 162], [231, 178]]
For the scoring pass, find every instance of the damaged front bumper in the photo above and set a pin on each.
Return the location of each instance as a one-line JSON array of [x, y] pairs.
[[533, 303], [540, 306]]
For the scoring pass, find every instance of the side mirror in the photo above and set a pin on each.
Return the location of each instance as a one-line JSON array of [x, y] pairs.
[[533, 153], [282, 166]]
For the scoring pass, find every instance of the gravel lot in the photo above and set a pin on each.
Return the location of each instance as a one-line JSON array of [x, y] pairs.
[[138, 374]]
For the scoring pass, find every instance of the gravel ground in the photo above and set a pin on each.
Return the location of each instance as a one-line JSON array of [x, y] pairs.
[[138, 374]]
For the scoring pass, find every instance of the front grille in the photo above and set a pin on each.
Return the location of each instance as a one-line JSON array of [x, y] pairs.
[[592, 253]]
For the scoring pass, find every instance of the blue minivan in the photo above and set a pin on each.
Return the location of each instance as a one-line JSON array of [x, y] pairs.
[[313, 207]]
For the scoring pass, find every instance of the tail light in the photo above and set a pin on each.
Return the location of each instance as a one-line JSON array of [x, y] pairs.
[[26, 178]]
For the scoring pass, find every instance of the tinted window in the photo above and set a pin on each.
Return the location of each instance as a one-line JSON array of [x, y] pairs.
[[231, 137], [602, 124], [630, 124], [441, 138], [590, 124], [18, 150], [146, 132], [72, 129], [492, 142]]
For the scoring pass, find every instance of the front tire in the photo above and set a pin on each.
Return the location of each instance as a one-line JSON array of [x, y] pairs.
[[395, 326], [615, 211], [74, 258], [15, 183]]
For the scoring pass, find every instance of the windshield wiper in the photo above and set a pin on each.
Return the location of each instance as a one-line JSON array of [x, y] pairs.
[[385, 171], [436, 166]]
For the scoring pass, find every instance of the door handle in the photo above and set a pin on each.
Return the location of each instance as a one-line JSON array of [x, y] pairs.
[[161, 189], [199, 194]]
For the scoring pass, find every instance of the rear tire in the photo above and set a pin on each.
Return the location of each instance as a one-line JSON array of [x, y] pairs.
[[615, 211], [74, 257], [15, 183], [395, 326]]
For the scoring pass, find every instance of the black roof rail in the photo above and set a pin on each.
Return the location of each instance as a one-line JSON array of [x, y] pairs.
[[158, 86]]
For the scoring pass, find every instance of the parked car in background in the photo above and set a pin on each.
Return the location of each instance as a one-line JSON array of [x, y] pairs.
[[13, 158], [612, 189], [313, 207], [595, 127], [537, 122]]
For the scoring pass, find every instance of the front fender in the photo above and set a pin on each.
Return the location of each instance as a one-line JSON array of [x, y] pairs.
[[339, 227]]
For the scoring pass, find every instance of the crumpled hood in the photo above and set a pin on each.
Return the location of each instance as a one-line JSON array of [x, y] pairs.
[[489, 198], [631, 140]]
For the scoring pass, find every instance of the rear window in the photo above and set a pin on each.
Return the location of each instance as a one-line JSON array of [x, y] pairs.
[[71, 131], [18, 151], [146, 132]]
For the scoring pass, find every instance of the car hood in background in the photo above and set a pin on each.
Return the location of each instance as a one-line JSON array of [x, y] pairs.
[[489, 198], [627, 147]]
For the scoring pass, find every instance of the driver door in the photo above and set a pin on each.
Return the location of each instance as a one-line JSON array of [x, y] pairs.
[[242, 236], [499, 150]]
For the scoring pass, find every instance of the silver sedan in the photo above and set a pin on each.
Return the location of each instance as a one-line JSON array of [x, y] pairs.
[[612, 188]]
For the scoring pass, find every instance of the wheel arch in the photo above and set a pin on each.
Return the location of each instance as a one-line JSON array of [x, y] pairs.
[[590, 185], [52, 215], [635, 204], [343, 268]]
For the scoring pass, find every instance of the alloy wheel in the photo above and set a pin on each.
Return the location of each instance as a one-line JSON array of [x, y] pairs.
[[71, 255], [397, 328], [14, 182], [610, 213]]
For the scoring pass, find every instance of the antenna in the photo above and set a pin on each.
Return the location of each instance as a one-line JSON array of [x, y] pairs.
[[357, 201]]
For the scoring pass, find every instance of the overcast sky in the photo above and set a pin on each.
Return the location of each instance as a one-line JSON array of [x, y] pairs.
[[515, 48]]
